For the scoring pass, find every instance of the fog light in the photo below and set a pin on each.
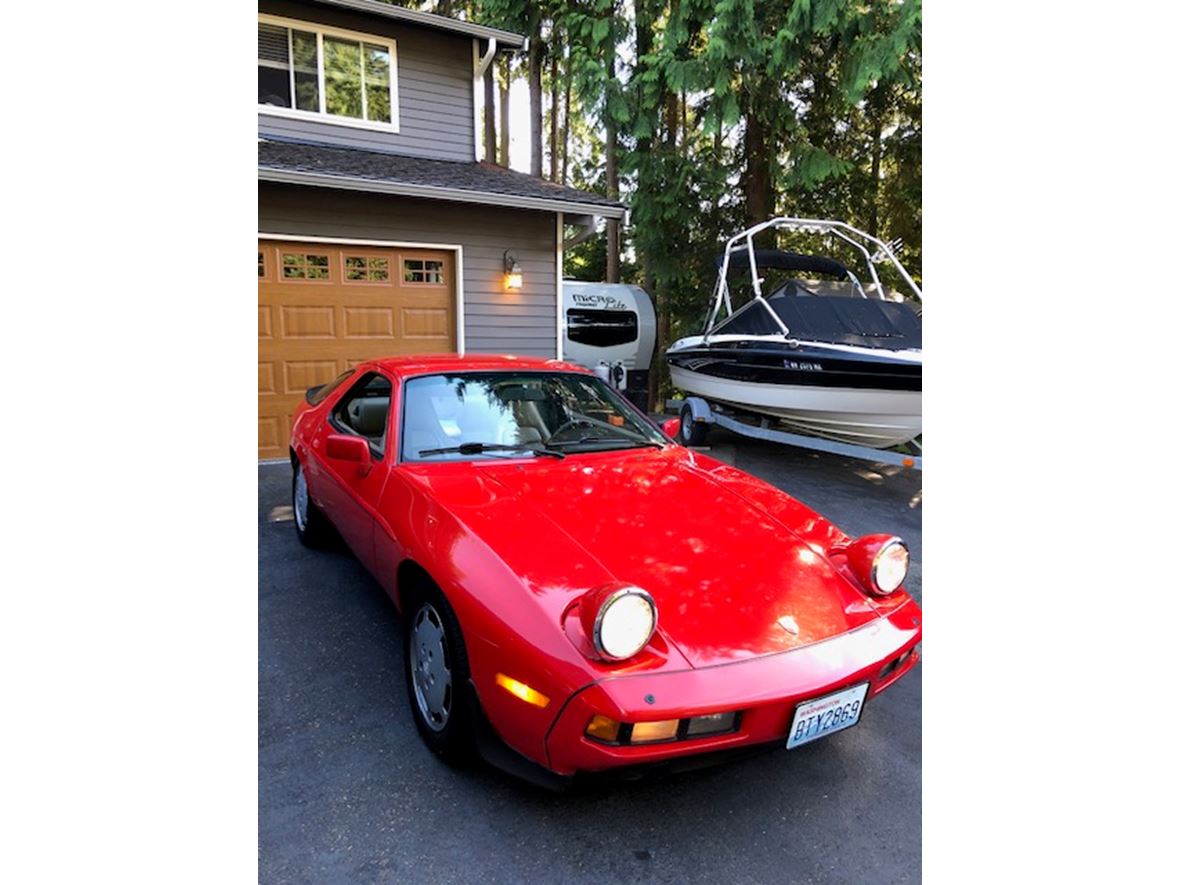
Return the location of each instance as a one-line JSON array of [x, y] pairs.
[[650, 732], [714, 723], [603, 728]]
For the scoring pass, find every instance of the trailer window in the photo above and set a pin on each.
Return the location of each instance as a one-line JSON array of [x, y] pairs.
[[602, 328]]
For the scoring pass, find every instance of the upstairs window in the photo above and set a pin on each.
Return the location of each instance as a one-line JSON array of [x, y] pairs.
[[337, 74]]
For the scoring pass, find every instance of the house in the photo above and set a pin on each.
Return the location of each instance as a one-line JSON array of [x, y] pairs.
[[379, 230]]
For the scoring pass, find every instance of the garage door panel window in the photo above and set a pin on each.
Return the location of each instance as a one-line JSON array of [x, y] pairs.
[[330, 73], [305, 266], [364, 411], [366, 269], [422, 270]]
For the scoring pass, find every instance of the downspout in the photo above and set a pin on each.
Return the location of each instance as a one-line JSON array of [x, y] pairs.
[[588, 229], [481, 67], [486, 59]]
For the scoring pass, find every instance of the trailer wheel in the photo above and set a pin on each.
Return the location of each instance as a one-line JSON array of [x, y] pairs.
[[692, 433]]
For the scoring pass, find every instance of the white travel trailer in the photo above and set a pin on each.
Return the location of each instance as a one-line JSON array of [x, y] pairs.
[[611, 328]]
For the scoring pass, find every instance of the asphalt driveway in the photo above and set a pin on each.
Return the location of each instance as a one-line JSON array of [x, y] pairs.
[[348, 793]]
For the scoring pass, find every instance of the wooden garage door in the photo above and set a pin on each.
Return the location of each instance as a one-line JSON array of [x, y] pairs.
[[324, 308]]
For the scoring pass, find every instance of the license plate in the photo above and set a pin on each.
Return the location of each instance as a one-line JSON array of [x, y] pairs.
[[823, 716]]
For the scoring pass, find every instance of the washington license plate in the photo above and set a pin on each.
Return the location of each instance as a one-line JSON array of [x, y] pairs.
[[823, 716]]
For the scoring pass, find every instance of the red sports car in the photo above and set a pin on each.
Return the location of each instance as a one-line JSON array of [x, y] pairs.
[[579, 592]]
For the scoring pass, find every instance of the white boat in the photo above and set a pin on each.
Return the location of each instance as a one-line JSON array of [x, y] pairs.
[[822, 360]]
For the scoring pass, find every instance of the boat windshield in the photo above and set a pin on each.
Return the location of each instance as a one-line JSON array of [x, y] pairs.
[[862, 322], [468, 415]]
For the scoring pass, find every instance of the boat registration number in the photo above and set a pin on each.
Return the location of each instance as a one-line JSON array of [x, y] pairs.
[[823, 716]]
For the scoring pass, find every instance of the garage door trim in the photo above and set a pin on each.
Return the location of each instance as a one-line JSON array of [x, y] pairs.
[[460, 341]]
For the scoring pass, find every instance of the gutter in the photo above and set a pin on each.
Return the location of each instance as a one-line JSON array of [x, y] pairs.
[[429, 20], [433, 192]]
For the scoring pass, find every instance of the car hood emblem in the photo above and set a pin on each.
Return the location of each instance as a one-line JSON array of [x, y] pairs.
[[788, 624]]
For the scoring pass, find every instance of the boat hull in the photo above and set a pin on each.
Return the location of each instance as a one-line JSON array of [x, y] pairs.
[[875, 403]]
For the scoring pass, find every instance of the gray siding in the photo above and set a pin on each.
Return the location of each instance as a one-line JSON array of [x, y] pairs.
[[435, 89], [495, 321]]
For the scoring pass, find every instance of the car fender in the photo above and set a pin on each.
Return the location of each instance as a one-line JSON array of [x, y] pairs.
[[507, 628]]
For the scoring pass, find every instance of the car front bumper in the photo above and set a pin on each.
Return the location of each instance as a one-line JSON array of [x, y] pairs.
[[765, 689]]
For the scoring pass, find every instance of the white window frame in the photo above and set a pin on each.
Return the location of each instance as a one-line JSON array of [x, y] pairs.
[[322, 116]]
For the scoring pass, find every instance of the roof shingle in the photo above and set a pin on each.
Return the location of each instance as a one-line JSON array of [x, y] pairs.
[[480, 182]]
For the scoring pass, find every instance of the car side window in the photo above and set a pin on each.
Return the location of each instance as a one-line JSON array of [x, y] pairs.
[[364, 411]]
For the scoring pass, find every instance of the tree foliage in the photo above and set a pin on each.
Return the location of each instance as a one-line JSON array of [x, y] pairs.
[[726, 112]]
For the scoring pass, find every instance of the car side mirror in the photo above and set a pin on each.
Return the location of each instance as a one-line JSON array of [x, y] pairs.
[[350, 448], [671, 427]]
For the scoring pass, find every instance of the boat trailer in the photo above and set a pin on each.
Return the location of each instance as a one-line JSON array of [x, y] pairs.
[[701, 415]]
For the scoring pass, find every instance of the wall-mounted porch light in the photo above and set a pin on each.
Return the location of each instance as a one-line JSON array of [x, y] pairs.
[[513, 278]]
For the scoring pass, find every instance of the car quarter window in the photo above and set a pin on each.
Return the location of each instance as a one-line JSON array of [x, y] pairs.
[[317, 395], [364, 411]]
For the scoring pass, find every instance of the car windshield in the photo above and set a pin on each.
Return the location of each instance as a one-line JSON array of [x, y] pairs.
[[517, 415]]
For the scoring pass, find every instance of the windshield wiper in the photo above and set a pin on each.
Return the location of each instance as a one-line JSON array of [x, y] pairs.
[[476, 448], [632, 443]]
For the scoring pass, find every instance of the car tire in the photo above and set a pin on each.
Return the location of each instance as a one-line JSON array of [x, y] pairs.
[[438, 676], [310, 523], [692, 433]]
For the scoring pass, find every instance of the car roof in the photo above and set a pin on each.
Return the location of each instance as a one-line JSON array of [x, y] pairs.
[[429, 363]]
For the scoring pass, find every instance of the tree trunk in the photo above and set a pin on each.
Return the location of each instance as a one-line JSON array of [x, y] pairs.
[[644, 40], [505, 104], [554, 108], [757, 184], [612, 181], [536, 59], [612, 191], [489, 114], [565, 131], [876, 108]]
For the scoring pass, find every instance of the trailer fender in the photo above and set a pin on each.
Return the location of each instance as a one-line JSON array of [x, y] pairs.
[[699, 409]]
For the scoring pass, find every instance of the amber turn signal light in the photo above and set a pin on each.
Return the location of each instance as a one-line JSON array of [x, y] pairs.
[[524, 692], [603, 728]]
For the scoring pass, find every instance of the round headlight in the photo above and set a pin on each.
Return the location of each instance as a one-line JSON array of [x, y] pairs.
[[624, 620], [890, 566], [879, 562]]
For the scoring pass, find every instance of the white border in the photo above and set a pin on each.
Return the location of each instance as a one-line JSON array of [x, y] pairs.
[[460, 337], [560, 285], [394, 124]]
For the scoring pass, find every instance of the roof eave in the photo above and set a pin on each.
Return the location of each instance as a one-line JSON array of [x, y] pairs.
[[429, 20], [432, 192]]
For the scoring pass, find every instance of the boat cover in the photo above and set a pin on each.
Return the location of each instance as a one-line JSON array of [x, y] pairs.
[[739, 262], [832, 319]]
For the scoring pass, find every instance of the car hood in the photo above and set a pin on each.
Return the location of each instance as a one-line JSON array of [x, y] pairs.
[[729, 580]]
